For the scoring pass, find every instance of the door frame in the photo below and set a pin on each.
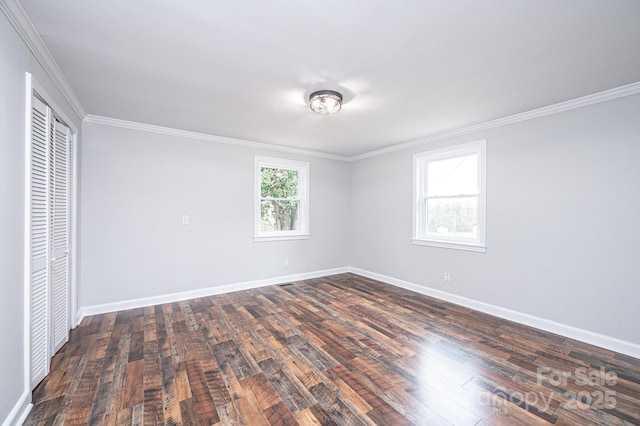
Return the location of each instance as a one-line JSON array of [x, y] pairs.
[[32, 87]]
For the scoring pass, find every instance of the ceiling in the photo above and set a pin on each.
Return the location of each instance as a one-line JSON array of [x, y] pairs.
[[407, 69]]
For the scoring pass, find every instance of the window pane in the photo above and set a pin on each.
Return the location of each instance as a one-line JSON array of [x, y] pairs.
[[278, 183], [279, 215], [453, 217], [453, 176]]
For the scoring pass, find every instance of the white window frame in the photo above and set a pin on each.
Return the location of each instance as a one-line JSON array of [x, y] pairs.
[[420, 165], [303, 195]]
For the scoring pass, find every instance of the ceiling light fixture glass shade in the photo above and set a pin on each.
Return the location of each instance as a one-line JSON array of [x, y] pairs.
[[325, 101]]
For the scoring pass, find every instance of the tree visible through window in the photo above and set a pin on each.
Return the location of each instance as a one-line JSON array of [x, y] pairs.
[[279, 202], [282, 188]]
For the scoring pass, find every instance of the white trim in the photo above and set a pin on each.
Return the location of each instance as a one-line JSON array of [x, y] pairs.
[[449, 245], [20, 21], [204, 292], [20, 411], [283, 237], [74, 232], [151, 128], [26, 291], [586, 336], [607, 95]]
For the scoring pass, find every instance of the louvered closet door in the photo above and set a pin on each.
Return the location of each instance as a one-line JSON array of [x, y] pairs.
[[60, 224], [50, 195], [39, 291]]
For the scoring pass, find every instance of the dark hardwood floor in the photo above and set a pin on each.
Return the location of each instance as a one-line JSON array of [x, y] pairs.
[[338, 350]]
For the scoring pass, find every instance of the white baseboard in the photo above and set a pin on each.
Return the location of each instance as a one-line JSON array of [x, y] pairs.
[[596, 339], [601, 340], [204, 292], [20, 411]]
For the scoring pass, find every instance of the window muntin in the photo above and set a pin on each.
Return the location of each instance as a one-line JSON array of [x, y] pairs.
[[282, 199], [449, 199]]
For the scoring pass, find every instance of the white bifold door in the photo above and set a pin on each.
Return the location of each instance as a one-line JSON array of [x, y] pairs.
[[50, 232]]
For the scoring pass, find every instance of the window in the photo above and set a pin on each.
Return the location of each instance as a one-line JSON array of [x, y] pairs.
[[449, 197], [282, 199]]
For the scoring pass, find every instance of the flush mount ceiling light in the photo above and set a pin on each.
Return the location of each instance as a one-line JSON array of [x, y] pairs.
[[325, 101]]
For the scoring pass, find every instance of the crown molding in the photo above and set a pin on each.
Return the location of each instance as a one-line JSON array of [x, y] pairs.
[[607, 95], [20, 21], [115, 122]]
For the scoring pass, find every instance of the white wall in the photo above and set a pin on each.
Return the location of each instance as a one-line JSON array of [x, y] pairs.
[[563, 201], [15, 60], [137, 185], [11, 214]]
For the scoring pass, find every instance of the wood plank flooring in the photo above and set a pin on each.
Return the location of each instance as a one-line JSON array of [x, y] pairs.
[[340, 350]]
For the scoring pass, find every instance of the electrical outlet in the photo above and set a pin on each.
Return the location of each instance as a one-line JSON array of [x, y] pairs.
[[447, 277], [285, 263], [185, 219]]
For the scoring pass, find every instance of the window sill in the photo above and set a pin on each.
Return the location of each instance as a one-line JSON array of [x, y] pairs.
[[450, 245], [259, 239]]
